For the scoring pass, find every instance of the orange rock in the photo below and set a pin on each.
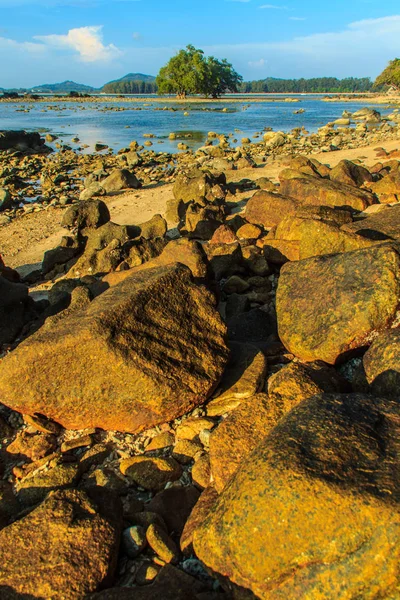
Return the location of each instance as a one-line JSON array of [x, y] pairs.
[[144, 352]]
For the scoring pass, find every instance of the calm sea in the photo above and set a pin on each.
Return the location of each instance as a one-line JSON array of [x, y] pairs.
[[93, 123]]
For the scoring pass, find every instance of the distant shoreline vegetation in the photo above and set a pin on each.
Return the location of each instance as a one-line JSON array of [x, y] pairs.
[[127, 86], [308, 86]]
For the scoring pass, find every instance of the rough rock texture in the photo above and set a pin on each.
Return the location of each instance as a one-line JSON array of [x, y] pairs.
[[351, 174], [316, 236], [201, 187], [296, 381], [239, 434], [120, 179], [310, 190], [184, 251], [268, 209], [382, 364], [329, 305], [144, 352], [196, 518], [384, 225], [103, 249], [243, 378], [315, 512], [89, 214], [65, 548]]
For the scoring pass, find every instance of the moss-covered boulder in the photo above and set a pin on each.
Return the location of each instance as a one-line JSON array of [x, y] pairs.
[[329, 305], [314, 512]]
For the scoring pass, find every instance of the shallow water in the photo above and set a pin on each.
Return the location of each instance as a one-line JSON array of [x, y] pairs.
[[93, 123]]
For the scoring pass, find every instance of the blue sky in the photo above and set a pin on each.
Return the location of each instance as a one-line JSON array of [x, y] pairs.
[[93, 41]]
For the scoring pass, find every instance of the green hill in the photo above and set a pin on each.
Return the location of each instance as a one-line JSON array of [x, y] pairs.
[[63, 88], [132, 83]]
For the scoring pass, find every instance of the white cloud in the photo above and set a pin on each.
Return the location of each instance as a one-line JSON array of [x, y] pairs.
[[363, 48], [86, 41], [297, 18], [30, 47]]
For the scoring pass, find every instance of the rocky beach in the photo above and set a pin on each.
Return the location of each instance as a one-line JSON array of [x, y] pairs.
[[199, 366]]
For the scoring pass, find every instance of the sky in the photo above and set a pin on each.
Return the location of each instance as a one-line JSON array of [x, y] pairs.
[[95, 41]]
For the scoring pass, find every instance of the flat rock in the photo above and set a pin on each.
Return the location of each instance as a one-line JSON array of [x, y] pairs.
[[107, 365], [318, 191], [268, 208], [151, 472], [315, 512], [65, 548], [330, 305], [384, 225]]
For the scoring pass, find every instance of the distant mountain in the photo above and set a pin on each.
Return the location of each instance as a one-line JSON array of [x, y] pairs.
[[62, 88], [133, 83], [133, 77]]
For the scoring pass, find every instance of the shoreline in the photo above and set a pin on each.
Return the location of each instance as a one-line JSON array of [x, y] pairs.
[[258, 98], [35, 233]]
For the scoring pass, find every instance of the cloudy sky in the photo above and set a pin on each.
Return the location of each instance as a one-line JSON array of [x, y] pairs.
[[93, 41]]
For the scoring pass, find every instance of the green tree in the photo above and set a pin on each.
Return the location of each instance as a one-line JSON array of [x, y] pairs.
[[183, 74], [190, 72], [390, 75], [220, 77]]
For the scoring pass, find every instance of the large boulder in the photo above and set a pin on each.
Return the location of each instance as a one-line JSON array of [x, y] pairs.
[[268, 209], [201, 187], [120, 179], [388, 188], [318, 191], [103, 250], [351, 174], [316, 236], [86, 215], [332, 304], [21, 140], [314, 512], [144, 352], [65, 548]]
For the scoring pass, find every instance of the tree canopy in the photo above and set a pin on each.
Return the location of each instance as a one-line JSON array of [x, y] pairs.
[[191, 72], [390, 75]]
